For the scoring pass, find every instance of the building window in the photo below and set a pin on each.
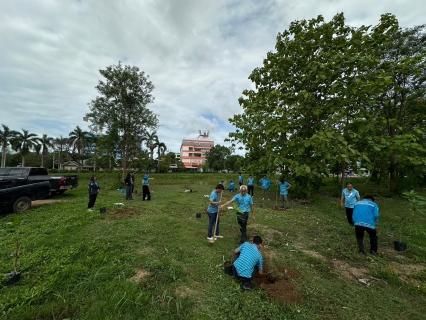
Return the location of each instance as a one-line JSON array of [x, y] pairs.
[[191, 154], [191, 149]]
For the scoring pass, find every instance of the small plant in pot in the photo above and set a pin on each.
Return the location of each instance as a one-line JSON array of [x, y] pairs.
[[416, 204], [14, 276]]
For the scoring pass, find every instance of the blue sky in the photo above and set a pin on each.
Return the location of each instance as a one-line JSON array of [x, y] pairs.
[[198, 54]]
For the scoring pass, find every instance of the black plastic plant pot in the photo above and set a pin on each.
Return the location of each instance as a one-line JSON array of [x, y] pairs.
[[198, 215], [227, 268], [400, 246], [102, 210], [13, 278]]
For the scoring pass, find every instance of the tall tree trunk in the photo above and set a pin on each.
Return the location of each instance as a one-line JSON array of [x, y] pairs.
[[23, 161], [393, 174], [343, 175], [3, 156]]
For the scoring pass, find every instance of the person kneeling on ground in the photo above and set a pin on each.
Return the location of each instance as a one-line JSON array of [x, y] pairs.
[[247, 262], [365, 216]]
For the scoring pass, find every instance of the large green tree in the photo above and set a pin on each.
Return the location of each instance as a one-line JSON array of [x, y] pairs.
[[121, 108], [24, 142], [217, 156], [309, 96], [398, 114], [6, 138]]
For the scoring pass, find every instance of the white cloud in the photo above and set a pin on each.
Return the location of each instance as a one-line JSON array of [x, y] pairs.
[[198, 53]]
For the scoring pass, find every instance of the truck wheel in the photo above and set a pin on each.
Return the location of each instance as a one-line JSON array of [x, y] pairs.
[[22, 204]]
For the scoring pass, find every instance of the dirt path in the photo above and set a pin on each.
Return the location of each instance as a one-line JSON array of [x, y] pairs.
[[39, 203]]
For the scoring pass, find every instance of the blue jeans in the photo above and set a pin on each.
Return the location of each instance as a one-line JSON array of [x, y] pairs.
[[212, 221]]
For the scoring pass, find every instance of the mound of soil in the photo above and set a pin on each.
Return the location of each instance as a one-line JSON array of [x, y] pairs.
[[275, 208], [280, 287], [123, 213]]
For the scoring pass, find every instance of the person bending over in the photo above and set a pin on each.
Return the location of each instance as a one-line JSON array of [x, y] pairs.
[[247, 262], [365, 216]]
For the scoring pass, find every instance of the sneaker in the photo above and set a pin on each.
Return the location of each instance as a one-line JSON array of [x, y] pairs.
[[263, 198], [90, 210], [210, 239], [219, 236]]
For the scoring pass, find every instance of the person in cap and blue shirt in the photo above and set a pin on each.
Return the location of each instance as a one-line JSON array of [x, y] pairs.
[[146, 194]]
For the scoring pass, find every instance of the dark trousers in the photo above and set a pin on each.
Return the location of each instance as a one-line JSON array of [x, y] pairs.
[[145, 193], [242, 222], [92, 200], [128, 192], [246, 281], [250, 190], [359, 232], [349, 212], [240, 183], [212, 221]]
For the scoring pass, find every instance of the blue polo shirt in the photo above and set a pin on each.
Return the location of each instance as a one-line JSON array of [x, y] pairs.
[[266, 183], [244, 202], [214, 197], [366, 214], [351, 197], [249, 257], [240, 178], [283, 187], [250, 182]]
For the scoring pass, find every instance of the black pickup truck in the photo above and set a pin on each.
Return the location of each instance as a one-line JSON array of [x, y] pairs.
[[19, 176], [18, 199]]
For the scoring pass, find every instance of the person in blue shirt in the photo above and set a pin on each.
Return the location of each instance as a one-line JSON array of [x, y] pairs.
[[247, 262], [284, 186], [266, 186], [231, 186], [350, 196], [250, 185], [240, 179], [245, 204], [212, 211], [146, 194], [365, 216], [93, 192]]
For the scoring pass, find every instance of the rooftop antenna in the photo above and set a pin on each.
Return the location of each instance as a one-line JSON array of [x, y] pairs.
[[204, 135]]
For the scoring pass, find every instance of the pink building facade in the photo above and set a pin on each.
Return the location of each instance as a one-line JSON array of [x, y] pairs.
[[193, 152]]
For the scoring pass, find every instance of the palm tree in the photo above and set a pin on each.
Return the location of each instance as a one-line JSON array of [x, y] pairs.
[[78, 140], [45, 143], [6, 137], [161, 149], [23, 142], [61, 143], [151, 141]]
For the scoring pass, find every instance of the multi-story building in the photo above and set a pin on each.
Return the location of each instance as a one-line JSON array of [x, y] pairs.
[[193, 151]]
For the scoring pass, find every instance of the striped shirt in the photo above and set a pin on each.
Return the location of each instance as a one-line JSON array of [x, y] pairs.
[[249, 257]]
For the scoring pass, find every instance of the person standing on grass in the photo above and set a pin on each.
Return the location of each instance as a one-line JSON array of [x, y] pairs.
[[128, 183], [350, 196], [365, 216], [266, 186], [250, 185], [213, 211], [146, 194], [247, 262], [240, 179], [284, 186], [93, 192], [245, 203]]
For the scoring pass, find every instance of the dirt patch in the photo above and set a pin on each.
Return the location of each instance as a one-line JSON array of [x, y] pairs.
[[268, 234], [314, 254], [347, 271], [39, 203], [407, 269], [275, 208], [123, 213], [184, 292], [279, 285], [140, 275]]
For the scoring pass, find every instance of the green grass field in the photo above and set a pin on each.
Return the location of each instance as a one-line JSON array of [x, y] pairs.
[[151, 260]]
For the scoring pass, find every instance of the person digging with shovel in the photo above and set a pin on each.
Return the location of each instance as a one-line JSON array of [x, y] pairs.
[[213, 212], [247, 262], [245, 203]]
